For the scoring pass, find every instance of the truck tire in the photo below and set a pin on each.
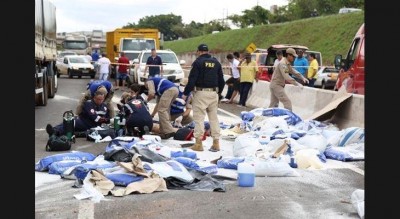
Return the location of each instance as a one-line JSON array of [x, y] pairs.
[[58, 72], [51, 84], [56, 84], [42, 97], [69, 73]]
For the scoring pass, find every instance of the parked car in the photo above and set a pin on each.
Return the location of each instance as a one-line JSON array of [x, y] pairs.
[[60, 57], [265, 58], [171, 66], [327, 77], [75, 65]]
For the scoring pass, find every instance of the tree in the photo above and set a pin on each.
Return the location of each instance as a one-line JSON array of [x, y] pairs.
[[165, 23], [255, 16], [214, 25]]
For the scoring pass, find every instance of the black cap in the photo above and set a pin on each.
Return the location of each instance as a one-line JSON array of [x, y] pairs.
[[202, 47]]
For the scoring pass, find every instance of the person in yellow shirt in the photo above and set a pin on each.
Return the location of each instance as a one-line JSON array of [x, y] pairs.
[[248, 73], [312, 70]]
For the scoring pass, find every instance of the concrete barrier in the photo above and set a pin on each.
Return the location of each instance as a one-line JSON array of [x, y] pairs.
[[306, 101]]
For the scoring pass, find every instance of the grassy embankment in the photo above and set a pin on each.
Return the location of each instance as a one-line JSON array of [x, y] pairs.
[[328, 34]]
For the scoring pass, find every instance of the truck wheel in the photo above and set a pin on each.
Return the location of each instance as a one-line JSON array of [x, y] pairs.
[[79, 76], [42, 97], [50, 81], [58, 73], [56, 84], [69, 73], [92, 76], [50, 86]]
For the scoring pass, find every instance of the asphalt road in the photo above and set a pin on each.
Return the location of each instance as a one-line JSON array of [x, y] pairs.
[[315, 194]]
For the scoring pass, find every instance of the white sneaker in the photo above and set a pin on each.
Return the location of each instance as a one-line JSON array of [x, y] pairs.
[[224, 100]]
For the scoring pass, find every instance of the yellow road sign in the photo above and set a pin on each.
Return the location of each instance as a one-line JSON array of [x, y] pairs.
[[251, 47]]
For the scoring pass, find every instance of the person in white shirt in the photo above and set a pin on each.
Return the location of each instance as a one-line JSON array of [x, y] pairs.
[[105, 67], [234, 63]]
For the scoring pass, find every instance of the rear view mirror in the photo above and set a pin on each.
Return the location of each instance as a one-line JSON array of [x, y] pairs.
[[338, 61], [182, 62], [136, 61]]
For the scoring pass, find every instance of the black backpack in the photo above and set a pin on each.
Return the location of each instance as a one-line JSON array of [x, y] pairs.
[[58, 143], [184, 134]]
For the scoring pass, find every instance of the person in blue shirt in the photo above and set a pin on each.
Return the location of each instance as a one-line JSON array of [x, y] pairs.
[[105, 87], [301, 65], [94, 113], [167, 92]]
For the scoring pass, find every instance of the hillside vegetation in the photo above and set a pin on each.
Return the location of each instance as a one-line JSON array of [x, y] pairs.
[[330, 35]]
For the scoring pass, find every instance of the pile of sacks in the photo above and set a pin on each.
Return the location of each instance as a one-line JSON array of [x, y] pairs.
[[277, 134], [132, 165]]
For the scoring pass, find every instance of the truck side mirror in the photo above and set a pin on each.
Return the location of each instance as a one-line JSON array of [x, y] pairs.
[[182, 62], [115, 48], [338, 61], [136, 61]]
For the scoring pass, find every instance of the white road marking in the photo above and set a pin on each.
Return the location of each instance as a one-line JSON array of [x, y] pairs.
[[60, 97]]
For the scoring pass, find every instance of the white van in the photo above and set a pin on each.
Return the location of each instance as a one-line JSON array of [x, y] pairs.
[[171, 66]]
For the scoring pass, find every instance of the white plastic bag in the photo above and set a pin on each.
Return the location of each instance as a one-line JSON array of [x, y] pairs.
[[274, 167], [314, 141], [306, 158], [246, 145], [357, 198], [172, 168]]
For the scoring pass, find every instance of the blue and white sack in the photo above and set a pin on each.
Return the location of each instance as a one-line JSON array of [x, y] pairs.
[[43, 164]]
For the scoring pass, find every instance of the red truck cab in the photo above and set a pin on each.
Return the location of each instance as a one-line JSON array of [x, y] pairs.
[[352, 67]]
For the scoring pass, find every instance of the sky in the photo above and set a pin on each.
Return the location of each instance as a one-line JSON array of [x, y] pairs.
[[107, 15]]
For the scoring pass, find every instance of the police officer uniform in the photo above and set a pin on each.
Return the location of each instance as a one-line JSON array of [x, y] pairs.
[[92, 87], [167, 93], [277, 84], [206, 81]]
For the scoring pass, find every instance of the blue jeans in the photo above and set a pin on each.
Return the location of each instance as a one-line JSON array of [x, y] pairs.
[[244, 92], [229, 93], [311, 82]]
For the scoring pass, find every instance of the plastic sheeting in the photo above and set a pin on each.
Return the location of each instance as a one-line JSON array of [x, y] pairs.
[[352, 152], [43, 164]]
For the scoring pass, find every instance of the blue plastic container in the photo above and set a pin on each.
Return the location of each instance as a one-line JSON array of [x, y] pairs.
[[246, 175]]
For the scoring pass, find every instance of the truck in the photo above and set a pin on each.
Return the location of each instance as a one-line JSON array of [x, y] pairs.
[[352, 67], [77, 43], [45, 51], [131, 41]]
